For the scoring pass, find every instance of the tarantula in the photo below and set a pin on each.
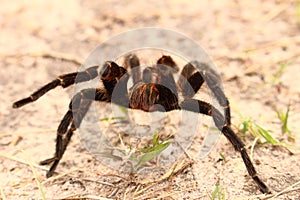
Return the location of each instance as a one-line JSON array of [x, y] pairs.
[[154, 89]]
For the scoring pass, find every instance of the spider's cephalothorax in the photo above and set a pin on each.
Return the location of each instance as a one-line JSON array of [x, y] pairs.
[[154, 89]]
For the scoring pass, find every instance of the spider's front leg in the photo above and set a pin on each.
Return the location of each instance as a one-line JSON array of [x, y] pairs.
[[132, 61], [220, 122], [72, 120], [63, 80], [190, 81], [194, 74], [111, 74]]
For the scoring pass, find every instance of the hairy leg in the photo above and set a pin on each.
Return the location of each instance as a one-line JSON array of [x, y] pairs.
[[238, 145], [213, 81], [132, 61], [63, 81], [72, 120], [190, 81]]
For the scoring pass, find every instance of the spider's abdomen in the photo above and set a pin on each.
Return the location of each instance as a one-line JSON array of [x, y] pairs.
[[152, 97]]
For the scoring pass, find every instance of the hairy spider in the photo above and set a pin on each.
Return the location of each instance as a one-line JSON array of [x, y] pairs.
[[154, 89]]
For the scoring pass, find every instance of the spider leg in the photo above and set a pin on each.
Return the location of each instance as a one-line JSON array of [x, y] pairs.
[[55, 160], [168, 61], [190, 81], [207, 109], [132, 61], [110, 74], [78, 107], [63, 81], [166, 67], [213, 81]]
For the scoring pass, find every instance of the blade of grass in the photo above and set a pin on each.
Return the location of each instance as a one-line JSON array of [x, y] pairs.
[[262, 133], [278, 73], [80, 196], [164, 196], [223, 157], [2, 194], [283, 117], [152, 153], [257, 131], [252, 147], [215, 192], [298, 12], [285, 128], [112, 118], [247, 123], [26, 132], [22, 161], [218, 193], [123, 109], [155, 139], [266, 135], [35, 175], [290, 188], [53, 178]]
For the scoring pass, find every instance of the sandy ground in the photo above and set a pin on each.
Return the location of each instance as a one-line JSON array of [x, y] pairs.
[[248, 40]]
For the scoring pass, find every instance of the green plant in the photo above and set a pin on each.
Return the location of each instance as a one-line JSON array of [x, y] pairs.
[[278, 73], [258, 131], [218, 193], [283, 117], [263, 135], [151, 152], [222, 157]]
